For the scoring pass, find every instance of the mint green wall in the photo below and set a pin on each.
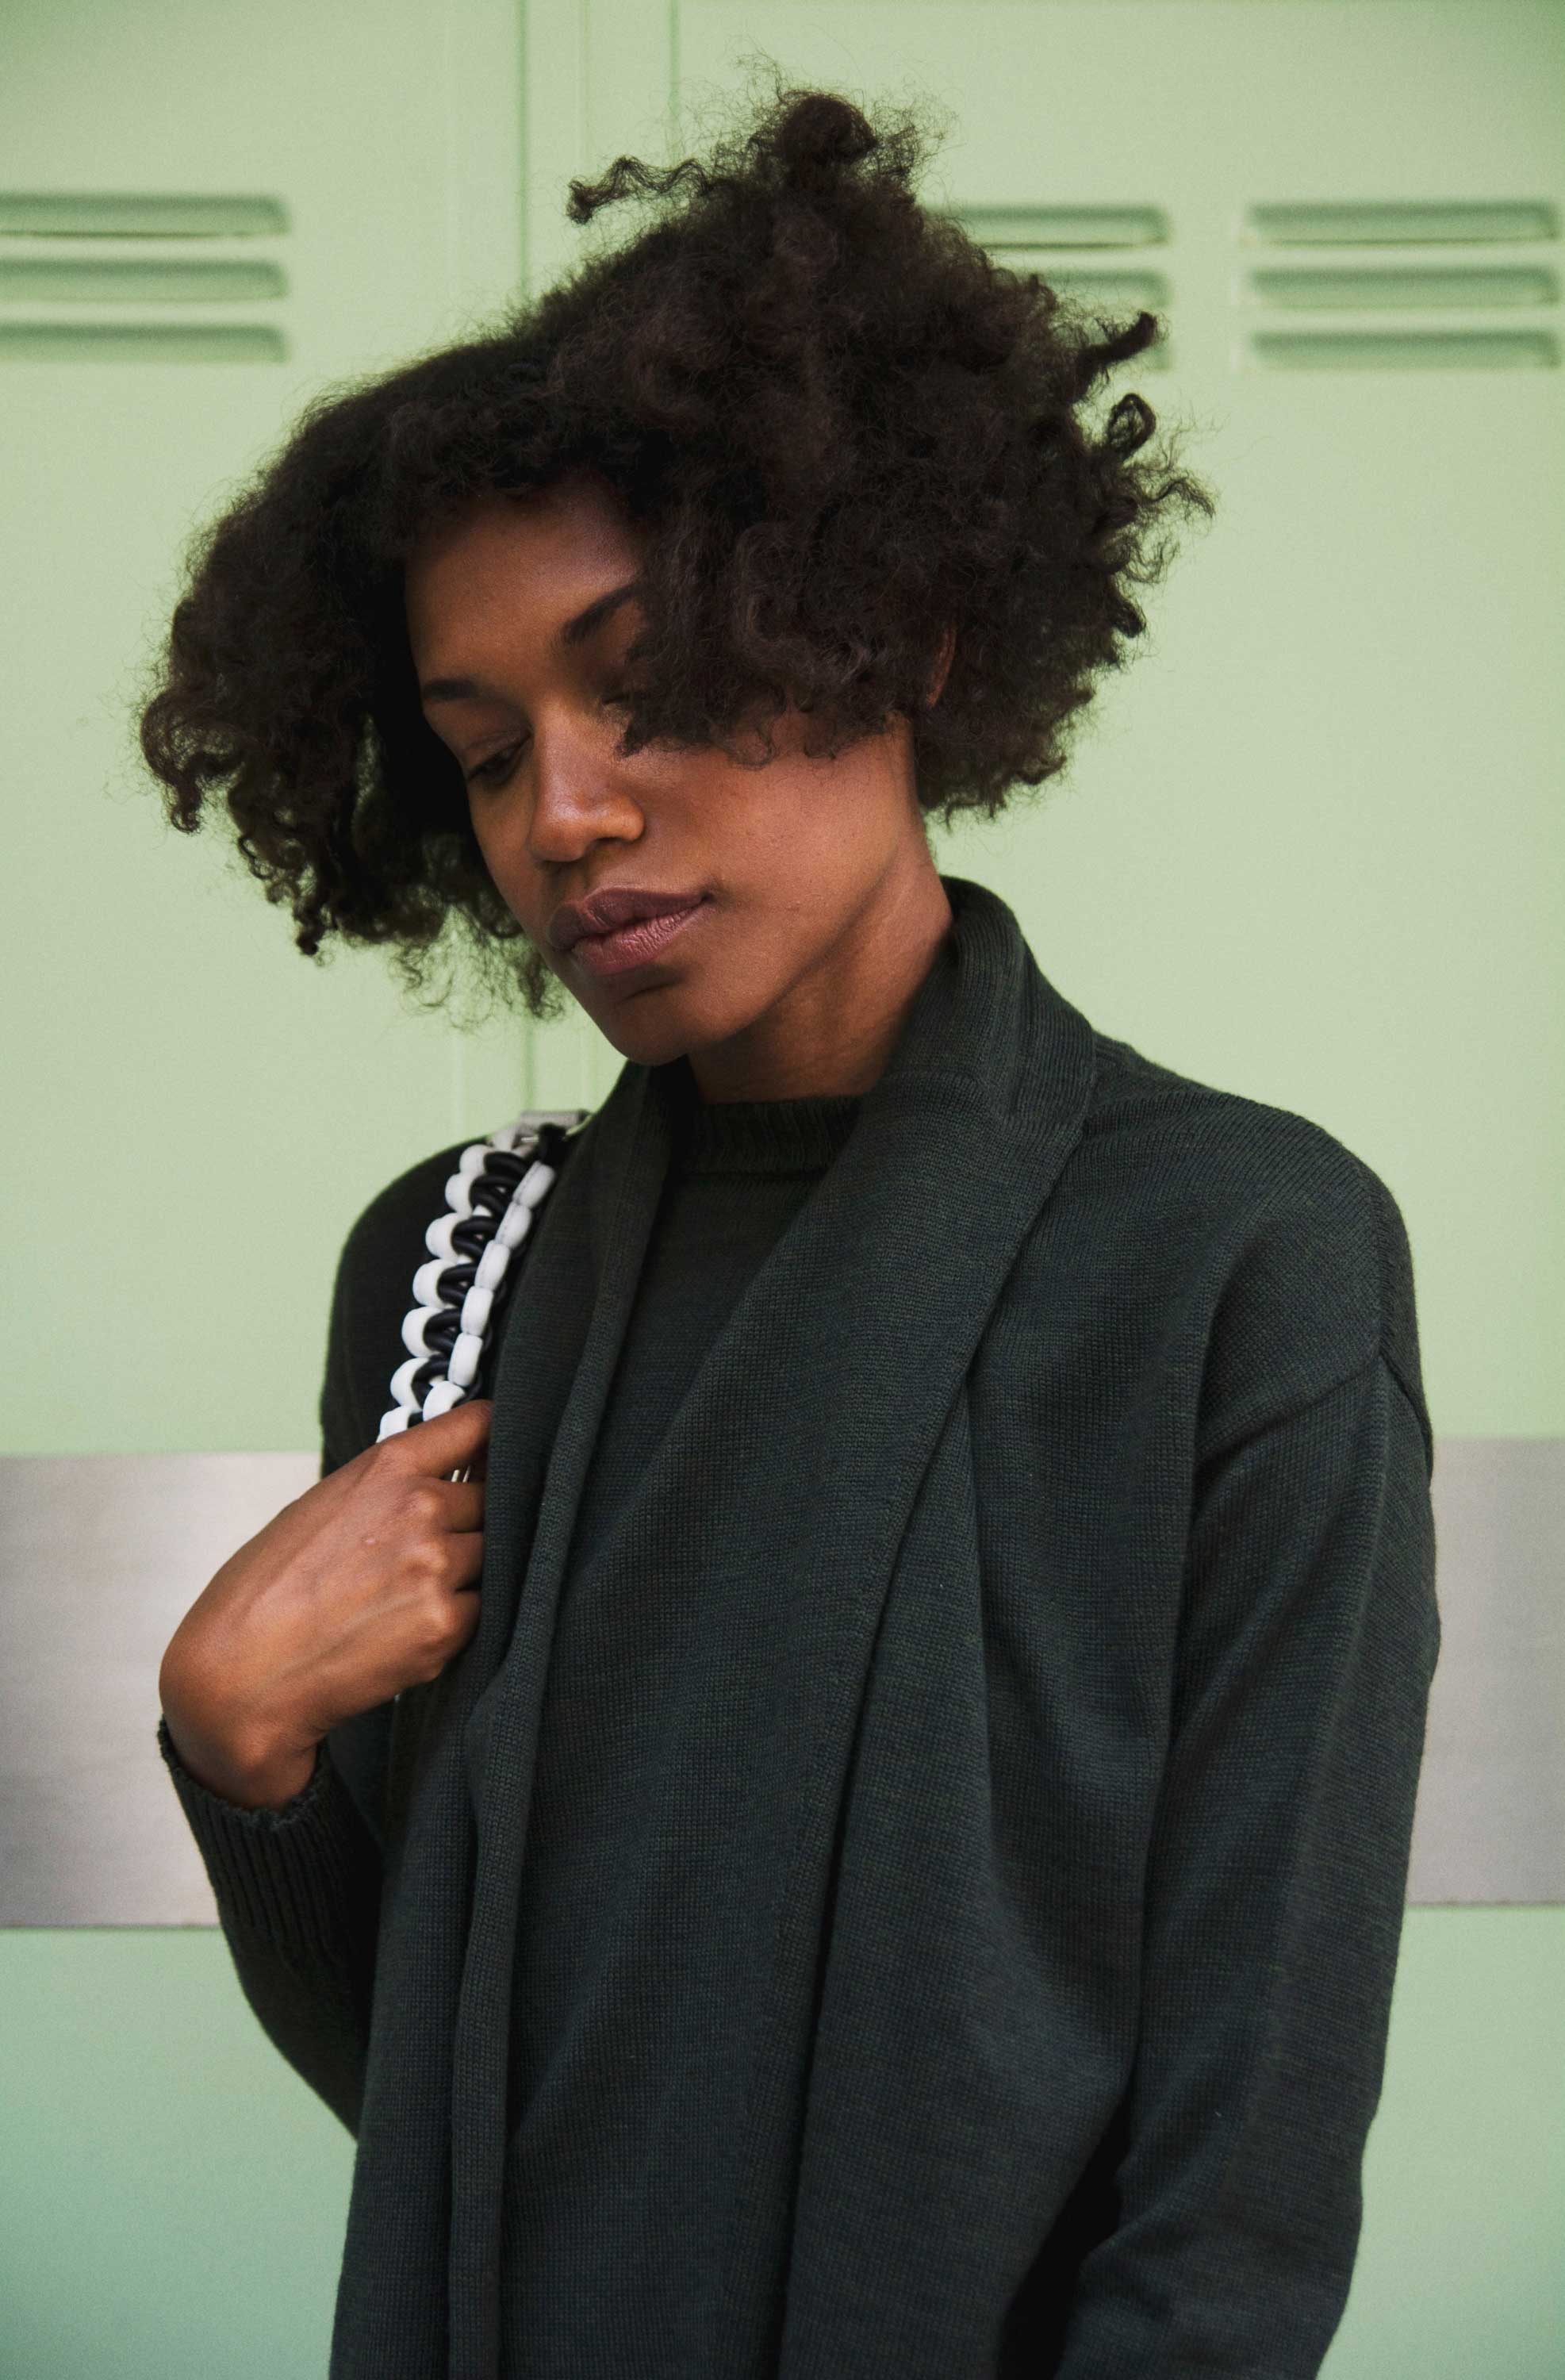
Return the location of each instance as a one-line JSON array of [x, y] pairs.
[[1309, 850]]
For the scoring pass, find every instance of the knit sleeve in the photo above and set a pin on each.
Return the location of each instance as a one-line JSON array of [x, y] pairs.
[[297, 1888], [298, 1892], [1275, 1895]]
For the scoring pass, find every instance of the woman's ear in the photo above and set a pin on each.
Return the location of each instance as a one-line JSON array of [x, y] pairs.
[[942, 669]]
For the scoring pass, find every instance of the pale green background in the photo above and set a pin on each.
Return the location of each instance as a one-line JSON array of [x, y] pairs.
[[1309, 850]]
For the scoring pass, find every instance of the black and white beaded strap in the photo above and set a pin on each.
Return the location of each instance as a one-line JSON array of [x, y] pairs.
[[491, 1201]]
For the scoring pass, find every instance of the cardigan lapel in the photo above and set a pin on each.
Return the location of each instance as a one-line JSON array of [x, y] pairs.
[[833, 1378]]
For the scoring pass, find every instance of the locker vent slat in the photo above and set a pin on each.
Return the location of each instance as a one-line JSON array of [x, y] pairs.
[[118, 277]]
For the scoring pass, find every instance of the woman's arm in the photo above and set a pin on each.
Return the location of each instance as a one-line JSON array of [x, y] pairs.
[[298, 1886], [298, 1891], [1275, 1897]]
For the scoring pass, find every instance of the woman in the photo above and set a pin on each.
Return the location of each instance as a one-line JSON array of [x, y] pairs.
[[898, 1867]]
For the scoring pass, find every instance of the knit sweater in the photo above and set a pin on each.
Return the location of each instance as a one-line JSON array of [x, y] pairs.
[[906, 1877]]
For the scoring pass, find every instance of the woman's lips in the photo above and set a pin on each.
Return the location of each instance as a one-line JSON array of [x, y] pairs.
[[632, 946]]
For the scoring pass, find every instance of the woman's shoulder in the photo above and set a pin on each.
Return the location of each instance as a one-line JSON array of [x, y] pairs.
[[385, 1241], [385, 1246], [392, 1223], [370, 1296], [1235, 1155], [1289, 1245]]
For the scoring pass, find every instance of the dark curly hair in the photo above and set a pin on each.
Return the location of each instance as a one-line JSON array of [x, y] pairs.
[[843, 427]]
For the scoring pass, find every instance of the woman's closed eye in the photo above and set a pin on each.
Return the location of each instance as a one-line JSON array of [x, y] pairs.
[[490, 770], [494, 764]]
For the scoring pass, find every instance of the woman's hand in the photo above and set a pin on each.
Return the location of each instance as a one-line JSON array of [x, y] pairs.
[[364, 1585]]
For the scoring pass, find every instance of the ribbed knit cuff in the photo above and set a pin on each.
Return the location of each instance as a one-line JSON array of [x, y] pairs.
[[307, 1875]]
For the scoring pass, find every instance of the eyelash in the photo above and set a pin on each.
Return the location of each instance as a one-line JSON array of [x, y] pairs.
[[490, 767], [486, 769]]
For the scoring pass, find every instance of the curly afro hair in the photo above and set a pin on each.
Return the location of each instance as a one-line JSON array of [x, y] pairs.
[[842, 427]]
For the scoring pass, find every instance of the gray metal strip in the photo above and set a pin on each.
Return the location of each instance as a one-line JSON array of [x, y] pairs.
[[1489, 1824], [101, 1556]]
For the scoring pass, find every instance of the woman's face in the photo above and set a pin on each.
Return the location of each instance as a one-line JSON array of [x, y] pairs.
[[819, 903]]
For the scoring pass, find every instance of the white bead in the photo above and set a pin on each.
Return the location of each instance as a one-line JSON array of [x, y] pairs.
[[514, 1226], [476, 1309], [464, 1365], [413, 1327], [443, 1395], [392, 1422], [492, 1265], [402, 1382], [534, 1183], [459, 1185], [459, 1192], [437, 1239], [426, 1283]]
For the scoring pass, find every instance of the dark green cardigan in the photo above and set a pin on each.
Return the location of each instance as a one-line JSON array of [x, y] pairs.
[[1046, 1551]]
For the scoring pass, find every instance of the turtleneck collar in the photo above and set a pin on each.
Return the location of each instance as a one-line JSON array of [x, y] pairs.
[[750, 1135]]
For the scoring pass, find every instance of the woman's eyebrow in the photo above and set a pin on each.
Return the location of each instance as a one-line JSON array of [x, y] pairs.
[[574, 632]]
